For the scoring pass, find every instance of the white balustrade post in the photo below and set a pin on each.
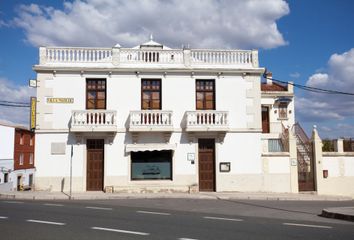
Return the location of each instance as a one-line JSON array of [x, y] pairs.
[[255, 58], [42, 55], [187, 57], [339, 146], [115, 56]]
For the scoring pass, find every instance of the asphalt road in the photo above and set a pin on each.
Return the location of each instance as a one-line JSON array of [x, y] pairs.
[[170, 219]]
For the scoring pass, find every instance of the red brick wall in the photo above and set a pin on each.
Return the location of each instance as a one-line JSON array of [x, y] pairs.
[[26, 148]]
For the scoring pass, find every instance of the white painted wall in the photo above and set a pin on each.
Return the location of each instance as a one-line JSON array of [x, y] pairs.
[[274, 111], [124, 95], [7, 142], [278, 165], [48, 164], [243, 150], [8, 166], [339, 166]]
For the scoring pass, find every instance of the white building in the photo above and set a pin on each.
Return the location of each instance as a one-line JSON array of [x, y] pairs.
[[151, 118], [16, 158]]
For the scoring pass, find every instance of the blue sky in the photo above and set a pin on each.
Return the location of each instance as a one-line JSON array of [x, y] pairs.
[[308, 42]]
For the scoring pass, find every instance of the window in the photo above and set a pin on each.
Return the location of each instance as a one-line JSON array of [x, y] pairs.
[[21, 138], [150, 94], [205, 95], [21, 157], [31, 158], [96, 94], [30, 180], [31, 140], [283, 110], [6, 177], [275, 145], [154, 165], [265, 119]]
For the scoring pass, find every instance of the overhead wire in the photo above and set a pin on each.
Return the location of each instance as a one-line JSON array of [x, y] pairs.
[[311, 89]]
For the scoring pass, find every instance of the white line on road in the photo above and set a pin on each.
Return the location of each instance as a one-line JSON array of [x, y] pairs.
[[120, 231], [225, 219], [2, 217], [53, 204], [306, 225], [99, 208], [45, 222], [156, 213], [12, 202], [187, 239]]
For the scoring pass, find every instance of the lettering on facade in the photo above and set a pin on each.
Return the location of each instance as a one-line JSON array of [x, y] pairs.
[[33, 113], [60, 100]]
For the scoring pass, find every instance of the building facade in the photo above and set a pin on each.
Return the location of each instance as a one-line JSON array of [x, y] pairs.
[[16, 158], [151, 118]]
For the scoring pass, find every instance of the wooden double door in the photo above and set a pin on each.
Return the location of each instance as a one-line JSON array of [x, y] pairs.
[[95, 164], [206, 158]]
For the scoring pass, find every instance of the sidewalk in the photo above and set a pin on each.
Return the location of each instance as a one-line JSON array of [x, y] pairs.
[[44, 195], [344, 213]]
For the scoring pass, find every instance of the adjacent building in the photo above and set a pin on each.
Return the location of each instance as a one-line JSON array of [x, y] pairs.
[[152, 118], [16, 158]]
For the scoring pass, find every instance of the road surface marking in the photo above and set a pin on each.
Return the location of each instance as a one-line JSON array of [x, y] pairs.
[[53, 204], [45, 222], [99, 208], [2, 217], [156, 213], [225, 219], [306, 225], [187, 239], [12, 202], [120, 231]]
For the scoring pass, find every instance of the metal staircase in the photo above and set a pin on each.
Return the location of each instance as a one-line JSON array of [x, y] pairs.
[[304, 159]]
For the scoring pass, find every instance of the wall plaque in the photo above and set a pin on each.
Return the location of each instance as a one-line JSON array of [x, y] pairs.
[[60, 100]]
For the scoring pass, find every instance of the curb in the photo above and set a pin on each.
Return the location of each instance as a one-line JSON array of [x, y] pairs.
[[170, 196], [327, 213]]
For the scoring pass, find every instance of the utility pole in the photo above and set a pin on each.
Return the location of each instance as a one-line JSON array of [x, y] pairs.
[[71, 170]]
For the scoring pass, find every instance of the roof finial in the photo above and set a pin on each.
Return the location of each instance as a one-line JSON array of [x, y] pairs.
[[151, 37]]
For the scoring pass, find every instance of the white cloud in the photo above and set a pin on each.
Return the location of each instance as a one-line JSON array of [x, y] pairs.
[[318, 80], [322, 108], [201, 23], [14, 93]]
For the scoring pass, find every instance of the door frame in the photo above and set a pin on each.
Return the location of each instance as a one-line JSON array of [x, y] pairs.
[[85, 179], [214, 160]]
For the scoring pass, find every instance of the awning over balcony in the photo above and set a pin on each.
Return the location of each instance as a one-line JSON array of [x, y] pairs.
[[149, 147], [285, 100]]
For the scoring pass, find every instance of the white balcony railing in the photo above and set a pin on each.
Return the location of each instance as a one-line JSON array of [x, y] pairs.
[[151, 120], [93, 120], [75, 55], [207, 120], [132, 56]]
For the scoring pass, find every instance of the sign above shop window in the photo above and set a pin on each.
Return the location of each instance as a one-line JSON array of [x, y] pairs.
[[60, 100]]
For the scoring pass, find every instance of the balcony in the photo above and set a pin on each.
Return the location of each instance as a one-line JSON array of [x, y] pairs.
[[93, 121], [151, 121], [207, 121]]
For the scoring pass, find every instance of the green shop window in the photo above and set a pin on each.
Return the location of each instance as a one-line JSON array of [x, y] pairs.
[[151, 165]]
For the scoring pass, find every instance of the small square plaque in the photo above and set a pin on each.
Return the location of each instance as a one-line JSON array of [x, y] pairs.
[[225, 167], [190, 156]]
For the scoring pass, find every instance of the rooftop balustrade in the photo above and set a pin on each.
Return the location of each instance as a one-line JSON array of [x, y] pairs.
[[73, 56]]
